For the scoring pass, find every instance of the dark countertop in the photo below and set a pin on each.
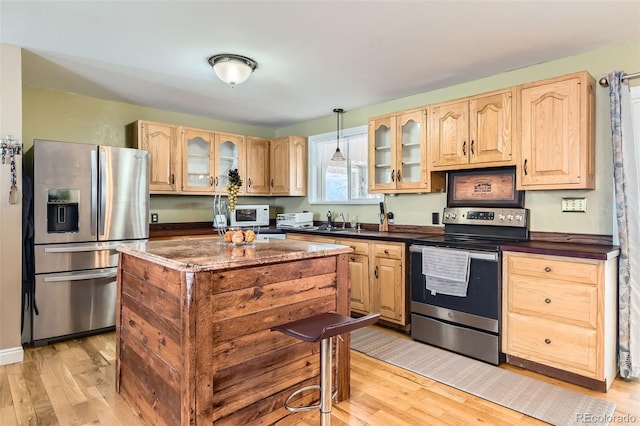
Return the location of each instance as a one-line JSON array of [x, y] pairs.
[[160, 231], [585, 251]]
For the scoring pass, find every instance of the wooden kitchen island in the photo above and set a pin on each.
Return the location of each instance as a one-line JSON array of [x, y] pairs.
[[193, 319]]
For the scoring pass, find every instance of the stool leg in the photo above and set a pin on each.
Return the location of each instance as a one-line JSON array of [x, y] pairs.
[[326, 355]]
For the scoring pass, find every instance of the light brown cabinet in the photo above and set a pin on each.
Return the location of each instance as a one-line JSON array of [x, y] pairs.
[[161, 140], [398, 154], [556, 133], [473, 132], [207, 158], [559, 314], [378, 278], [257, 175], [288, 166]]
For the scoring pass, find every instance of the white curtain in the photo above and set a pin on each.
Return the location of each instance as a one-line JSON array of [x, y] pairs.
[[626, 162]]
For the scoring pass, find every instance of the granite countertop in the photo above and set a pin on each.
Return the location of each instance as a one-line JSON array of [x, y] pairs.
[[207, 254], [585, 251]]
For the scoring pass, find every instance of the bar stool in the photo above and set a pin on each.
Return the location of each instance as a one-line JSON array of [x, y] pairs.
[[322, 327]]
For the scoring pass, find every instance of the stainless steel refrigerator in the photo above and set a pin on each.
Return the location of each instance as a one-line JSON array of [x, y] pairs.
[[87, 201]]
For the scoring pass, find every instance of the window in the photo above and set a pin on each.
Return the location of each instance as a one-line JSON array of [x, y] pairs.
[[344, 182]]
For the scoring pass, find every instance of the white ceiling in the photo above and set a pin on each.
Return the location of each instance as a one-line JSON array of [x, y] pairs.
[[313, 55]]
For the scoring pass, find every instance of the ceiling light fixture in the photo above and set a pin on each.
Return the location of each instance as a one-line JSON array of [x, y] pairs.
[[232, 69], [337, 156]]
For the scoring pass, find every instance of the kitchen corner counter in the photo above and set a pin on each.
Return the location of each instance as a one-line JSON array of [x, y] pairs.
[[207, 254]]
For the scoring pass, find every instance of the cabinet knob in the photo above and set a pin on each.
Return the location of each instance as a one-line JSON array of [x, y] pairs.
[[547, 269], [353, 259], [547, 341], [547, 300], [386, 251]]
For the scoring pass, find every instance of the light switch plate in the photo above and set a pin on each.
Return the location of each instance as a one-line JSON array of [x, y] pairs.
[[574, 204]]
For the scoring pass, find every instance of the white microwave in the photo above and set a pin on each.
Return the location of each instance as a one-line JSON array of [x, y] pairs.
[[250, 215]]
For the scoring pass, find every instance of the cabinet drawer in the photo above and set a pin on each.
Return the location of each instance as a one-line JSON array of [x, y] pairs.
[[358, 247], [568, 302], [558, 345], [554, 267], [391, 251]]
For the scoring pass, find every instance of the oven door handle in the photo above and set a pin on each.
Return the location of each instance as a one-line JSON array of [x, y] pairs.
[[478, 255]]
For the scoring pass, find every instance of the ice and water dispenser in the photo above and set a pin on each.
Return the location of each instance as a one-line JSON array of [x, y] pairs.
[[62, 210]]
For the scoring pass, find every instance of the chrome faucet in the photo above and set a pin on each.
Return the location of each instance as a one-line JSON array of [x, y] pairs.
[[329, 216], [344, 221]]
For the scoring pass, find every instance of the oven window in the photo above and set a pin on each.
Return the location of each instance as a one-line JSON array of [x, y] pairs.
[[246, 215], [483, 292]]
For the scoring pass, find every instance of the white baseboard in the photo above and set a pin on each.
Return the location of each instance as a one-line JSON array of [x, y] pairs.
[[11, 355]]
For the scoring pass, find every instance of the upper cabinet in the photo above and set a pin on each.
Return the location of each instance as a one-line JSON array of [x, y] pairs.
[[288, 166], [556, 133], [207, 158], [161, 140], [473, 132], [186, 160], [398, 154], [257, 177]]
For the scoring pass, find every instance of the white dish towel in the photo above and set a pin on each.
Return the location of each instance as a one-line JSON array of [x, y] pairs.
[[446, 271]]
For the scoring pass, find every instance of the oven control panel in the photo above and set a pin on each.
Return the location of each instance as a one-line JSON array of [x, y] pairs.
[[486, 216]]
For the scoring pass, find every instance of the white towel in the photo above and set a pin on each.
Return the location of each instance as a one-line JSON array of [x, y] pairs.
[[446, 271]]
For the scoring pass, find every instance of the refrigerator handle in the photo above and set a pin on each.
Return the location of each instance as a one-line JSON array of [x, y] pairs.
[[94, 193], [81, 277], [76, 249], [103, 192]]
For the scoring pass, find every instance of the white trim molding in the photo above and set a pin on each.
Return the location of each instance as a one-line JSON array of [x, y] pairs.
[[11, 355]]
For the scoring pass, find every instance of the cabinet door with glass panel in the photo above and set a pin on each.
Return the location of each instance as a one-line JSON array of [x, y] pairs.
[[229, 155], [398, 154], [197, 161], [382, 154]]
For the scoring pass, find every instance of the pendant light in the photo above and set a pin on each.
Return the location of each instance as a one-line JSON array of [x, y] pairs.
[[337, 156]]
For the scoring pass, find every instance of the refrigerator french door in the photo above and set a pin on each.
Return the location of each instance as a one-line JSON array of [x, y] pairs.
[[87, 200]]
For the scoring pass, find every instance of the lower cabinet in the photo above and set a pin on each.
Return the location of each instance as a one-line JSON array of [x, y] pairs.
[[377, 275], [559, 316]]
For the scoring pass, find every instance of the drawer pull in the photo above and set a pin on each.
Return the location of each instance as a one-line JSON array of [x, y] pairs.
[[386, 251], [547, 341], [547, 269], [547, 300], [353, 259]]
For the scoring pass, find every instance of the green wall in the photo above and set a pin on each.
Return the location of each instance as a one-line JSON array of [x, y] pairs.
[[63, 116]]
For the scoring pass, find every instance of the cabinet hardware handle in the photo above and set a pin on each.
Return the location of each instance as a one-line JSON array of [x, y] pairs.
[[386, 251], [216, 180], [398, 176], [393, 175], [547, 341], [249, 182], [375, 272], [547, 269], [210, 180], [524, 167], [272, 183], [547, 300], [173, 179], [471, 147], [353, 259], [464, 148]]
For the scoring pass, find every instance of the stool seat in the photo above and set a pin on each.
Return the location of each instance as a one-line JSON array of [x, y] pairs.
[[323, 326]]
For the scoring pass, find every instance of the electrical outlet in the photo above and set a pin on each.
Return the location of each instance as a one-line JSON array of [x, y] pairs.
[[574, 204], [154, 217]]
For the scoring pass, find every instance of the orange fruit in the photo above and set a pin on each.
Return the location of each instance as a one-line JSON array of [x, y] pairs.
[[237, 237], [249, 236], [227, 236]]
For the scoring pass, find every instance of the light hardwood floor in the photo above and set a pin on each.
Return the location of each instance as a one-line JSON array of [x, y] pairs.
[[73, 383]]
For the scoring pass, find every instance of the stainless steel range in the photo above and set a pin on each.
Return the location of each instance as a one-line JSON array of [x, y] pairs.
[[469, 322]]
